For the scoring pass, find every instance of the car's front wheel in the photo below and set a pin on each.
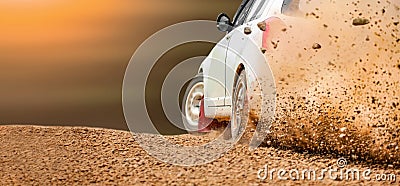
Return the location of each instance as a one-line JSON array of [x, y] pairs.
[[240, 109]]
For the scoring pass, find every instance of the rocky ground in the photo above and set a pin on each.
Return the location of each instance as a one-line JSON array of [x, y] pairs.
[[32, 155]]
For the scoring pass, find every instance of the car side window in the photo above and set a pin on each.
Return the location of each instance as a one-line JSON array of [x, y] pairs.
[[242, 15], [257, 10], [290, 7]]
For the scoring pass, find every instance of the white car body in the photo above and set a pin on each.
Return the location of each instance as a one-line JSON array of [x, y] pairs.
[[220, 67]]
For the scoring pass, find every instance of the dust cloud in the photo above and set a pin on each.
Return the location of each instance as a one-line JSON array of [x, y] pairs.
[[337, 68]]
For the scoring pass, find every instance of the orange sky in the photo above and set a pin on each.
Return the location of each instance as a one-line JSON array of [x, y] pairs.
[[41, 22], [28, 22], [63, 61]]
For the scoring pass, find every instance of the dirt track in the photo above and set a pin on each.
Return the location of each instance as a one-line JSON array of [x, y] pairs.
[[63, 155]]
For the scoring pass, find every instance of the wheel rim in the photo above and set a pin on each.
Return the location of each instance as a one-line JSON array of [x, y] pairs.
[[192, 106], [239, 109]]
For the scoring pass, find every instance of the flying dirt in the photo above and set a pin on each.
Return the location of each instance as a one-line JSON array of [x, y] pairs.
[[337, 72]]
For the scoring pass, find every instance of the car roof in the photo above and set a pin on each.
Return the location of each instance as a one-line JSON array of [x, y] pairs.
[[285, 6]]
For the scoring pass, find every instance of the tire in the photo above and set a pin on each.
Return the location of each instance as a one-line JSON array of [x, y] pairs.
[[240, 109], [192, 108]]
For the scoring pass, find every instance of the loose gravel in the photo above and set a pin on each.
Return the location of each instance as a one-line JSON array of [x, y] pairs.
[[32, 155]]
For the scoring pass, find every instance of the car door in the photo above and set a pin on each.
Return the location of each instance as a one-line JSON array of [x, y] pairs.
[[214, 71], [248, 20], [214, 76]]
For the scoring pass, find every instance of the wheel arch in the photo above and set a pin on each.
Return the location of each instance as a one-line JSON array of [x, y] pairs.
[[239, 69]]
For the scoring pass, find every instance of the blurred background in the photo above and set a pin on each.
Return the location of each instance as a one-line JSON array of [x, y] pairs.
[[63, 62]]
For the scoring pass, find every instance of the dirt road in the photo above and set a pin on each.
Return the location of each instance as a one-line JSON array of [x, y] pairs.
[[33, 155]]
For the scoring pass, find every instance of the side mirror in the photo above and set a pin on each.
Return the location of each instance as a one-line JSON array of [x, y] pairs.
[[224, 23]]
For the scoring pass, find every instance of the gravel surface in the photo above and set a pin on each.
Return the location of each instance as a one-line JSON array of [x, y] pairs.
[[32, 155]]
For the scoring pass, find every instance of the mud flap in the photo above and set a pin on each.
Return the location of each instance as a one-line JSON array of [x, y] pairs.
[[204, 122]]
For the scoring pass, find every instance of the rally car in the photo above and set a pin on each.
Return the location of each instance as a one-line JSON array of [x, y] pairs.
[[226, 79]]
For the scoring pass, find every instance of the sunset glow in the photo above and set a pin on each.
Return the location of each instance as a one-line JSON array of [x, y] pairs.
[[26, 22]]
